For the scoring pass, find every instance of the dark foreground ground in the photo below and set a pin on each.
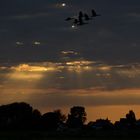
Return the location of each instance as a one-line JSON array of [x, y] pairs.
[[18, 135]]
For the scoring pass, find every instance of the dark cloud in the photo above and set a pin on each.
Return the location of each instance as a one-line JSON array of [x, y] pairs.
[[109, 38]]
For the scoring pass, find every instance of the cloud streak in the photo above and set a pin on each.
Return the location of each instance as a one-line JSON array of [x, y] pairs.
[[69, 75]]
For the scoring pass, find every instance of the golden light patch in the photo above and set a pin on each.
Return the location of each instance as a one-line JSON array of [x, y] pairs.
[[25, 76], [79, 63], [26, 67]]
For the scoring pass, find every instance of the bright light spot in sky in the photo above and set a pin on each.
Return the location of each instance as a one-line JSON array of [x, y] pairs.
[[73, 26], [60, 5], [69, 52], [19, 43], [63, 4], [37, 43]]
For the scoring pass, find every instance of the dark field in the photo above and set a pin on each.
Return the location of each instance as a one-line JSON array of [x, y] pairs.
[[16, 135]]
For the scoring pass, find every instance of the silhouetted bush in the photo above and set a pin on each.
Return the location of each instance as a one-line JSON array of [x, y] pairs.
[[52, 120], [127, 123], [77, 117], [21, 116], [131, 117], [17, 116], [101, 124]]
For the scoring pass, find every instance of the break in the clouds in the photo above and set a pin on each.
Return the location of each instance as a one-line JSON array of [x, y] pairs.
[[70, 75], [48, 85]]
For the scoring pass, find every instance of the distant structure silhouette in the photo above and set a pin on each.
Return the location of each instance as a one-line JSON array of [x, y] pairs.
[[101, 124], [131, 117]]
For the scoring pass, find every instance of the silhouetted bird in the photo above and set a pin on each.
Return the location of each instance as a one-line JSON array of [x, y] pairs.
[[80, 20], [81, 14], [94, 14], [86, 17], [69, 18], [75, 21]]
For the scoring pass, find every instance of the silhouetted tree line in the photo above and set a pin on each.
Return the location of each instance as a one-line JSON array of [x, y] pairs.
[[21, 116]]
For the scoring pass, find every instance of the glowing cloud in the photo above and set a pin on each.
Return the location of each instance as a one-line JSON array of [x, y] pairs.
[[69, 52], [79, 63], [18, 43], [37, 43], [26, 67], [25, 76]]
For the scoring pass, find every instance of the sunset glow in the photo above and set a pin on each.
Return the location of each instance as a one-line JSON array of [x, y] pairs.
[[59, 54]]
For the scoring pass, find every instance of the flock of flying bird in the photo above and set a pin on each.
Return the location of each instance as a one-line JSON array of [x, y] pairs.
[[82, 17]]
